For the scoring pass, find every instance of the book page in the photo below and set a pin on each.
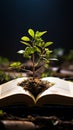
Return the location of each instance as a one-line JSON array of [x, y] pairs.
[[60, 87], [11, 88]]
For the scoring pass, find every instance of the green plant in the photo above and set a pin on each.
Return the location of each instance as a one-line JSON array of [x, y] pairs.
[[38, 53], [4, 77], [36, 50], [35, 45]]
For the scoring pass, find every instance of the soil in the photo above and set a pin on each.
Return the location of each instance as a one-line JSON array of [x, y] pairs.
[[35, 86]]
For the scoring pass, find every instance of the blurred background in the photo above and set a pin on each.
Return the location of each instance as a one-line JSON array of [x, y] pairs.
[[17, 16]]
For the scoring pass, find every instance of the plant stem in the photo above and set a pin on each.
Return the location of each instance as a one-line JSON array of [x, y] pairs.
[[33, 67], [33, 61]]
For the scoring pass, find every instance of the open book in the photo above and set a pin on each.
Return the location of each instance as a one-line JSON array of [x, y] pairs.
[[60, 93]]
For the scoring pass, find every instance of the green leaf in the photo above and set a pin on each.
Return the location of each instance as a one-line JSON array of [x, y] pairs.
[[28, 51], [27, 44], [39, 44], [47, 52], [39, 34], [42, 33], [25, 38], [31, 32], [37, 49], [15, 64], [48, 44], [31, 50]]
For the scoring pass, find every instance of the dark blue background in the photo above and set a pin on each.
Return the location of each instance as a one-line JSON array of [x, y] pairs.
[[16, 16]]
